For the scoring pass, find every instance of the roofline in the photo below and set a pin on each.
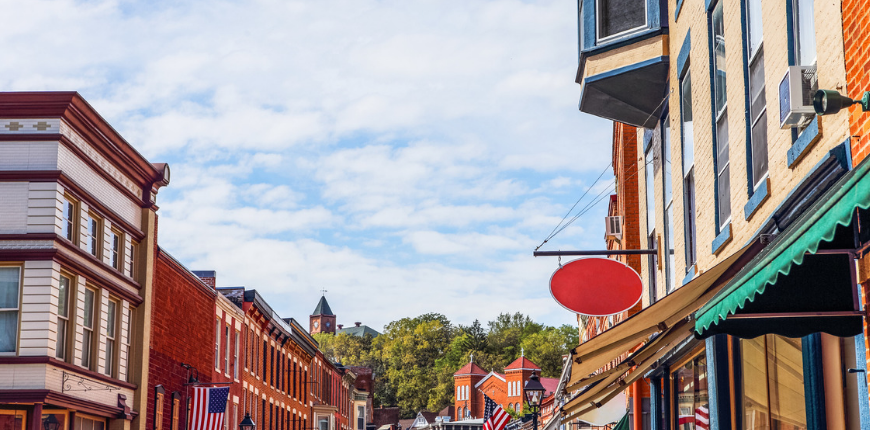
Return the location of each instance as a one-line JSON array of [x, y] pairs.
[[487, 377]]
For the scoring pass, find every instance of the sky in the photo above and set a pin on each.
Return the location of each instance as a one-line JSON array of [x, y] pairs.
[[406, 156]]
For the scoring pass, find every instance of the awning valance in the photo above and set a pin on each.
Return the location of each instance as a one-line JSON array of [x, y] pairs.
[[661, 316], [798, 284]]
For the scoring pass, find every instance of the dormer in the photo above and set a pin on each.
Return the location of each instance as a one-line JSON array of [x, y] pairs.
[[623, 66]]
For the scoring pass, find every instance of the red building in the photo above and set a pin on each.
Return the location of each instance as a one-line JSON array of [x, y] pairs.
[[182, 326], [472, 383]]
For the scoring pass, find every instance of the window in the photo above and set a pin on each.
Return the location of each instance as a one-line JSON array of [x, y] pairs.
[[134, 254], [617, 17], [117, 256], [127, 342], [805, 29], [158, 409], [669, 205], [111, 337], [83, 423], [217, 344], [13, 419], [723, 183], [176, 410], [227, 349], [61, 347], [688, 169], [10, 282], [757, 98], [690, 394], [68, 224], [94, 235], [773, 383], [236, 356], [649, 158], [88, 328]]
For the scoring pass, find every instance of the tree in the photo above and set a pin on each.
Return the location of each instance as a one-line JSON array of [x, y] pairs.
[[546, 348], [506, 334]]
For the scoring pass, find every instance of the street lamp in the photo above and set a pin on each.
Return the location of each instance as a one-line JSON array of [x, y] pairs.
[[50, 423], [827, 102], [247, 423], [534, 391]]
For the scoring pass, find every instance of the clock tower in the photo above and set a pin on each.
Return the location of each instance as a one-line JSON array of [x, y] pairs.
[[322, 320]]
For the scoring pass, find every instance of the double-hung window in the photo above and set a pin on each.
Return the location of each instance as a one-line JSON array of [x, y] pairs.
[[217, 344], [757, 98], [63, 293], [117, 246], [619, 17], [68, 219], [688, 140], [805, 32], [94, 235], [10, 286], [649, 158], [88, 328], [669, 204], [111, 337], [127, 341], [227, 349], [236, 356], [720, 107]]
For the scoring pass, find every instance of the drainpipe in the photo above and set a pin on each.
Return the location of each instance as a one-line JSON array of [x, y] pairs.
[[637, 404]]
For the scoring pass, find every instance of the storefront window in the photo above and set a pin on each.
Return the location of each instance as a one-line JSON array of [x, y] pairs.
[[85, 423], [59, 417], [12, 420], [690, 394], [773, 383]]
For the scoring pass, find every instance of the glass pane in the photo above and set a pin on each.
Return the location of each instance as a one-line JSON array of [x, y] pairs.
[[690, 389], [9, 279], [754, 390], [688, 136], [111, 322], [61, 420], [616, 16], [8, 330], [12, 422], [63, 297], [650, 192], [757, 97], [666, 141], [89, 309], [86, 348], [719, 57], [672, 277], [722, 141], [755, 32], [785, 369], [806, 32], [724, 197], [689, 193], [110, 357], [759, 148], [99, 425], [60, 346]]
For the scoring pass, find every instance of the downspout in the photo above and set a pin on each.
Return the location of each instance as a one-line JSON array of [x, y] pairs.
[[637, 404]]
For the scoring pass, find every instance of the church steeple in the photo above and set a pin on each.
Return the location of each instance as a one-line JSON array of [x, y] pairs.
[[322, 320]]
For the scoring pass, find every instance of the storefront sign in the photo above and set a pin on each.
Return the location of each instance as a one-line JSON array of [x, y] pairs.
[[596, 286]]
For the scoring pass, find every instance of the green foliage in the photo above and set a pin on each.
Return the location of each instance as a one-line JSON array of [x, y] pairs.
[[415, 358]]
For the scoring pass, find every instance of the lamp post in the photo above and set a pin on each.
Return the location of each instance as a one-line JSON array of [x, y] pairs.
[[534, 391], [247, 423]]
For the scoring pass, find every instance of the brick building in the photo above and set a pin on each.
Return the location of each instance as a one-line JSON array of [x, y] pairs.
[[77, 231], [322, 320], [181, 347], [229, 347], [471, 383]]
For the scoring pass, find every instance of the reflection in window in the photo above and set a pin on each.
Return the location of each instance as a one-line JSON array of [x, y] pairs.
[[9, 289], [62, 317], [691, 397], [719, 91], [619, 16], [773, 383]]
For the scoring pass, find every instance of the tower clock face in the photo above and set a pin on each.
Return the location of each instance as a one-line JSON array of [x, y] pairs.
[[327, 324], [316, 324]]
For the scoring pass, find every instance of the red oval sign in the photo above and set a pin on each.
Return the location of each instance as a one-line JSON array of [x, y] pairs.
[[596, 286]]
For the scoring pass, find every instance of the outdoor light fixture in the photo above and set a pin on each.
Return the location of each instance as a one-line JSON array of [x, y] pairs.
[[247, 423], [50, 423], [534, 391], [827, 102]]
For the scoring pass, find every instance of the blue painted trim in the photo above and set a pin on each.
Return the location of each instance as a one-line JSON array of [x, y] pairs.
[[804, 142], [709, 5], [647, 139], [655, 408], [789, 32], [757, 198], [712, 382], [690, 274], [814, 382], [713, 138], [723, 238], [750, 180], [623, 41], [654, 14], [626, 69], [718, 386], [679, 8], [683, 57], [588, 24]]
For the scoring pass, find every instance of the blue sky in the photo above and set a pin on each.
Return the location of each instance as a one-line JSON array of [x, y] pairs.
[[407, 156]]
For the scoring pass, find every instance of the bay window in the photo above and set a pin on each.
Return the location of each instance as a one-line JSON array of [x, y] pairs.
[[616, 17], [10, 287]]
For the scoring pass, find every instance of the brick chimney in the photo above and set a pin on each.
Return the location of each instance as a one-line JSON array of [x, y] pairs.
[[340, 326], [207, 276], [357, 324]]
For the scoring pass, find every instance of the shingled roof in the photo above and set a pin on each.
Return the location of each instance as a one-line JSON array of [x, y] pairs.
[[322, 308], [471, 368], [522, 363]]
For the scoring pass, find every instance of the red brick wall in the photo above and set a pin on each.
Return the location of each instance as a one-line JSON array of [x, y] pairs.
[[182, 331], [226, 374], [856, 38]]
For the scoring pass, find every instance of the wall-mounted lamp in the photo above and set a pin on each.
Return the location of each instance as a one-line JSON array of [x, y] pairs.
[[827, 102]]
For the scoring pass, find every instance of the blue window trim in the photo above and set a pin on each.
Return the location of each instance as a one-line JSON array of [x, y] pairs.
[[713, 138], [814, 382], [722, 239], [683, 57], [690, 274], [718, 381], [628, 68], [750, 180], [709, 5], [678, 9], [757, 198], [804, 142], [656, 22]]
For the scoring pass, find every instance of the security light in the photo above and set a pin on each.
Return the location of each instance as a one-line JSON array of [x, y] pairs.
[[827, 102]]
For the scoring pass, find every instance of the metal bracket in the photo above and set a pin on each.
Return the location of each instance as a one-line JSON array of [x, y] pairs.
[[72, 382]]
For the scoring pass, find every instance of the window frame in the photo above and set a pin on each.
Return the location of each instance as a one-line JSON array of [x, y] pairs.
[[62, 344], [17, 309], [112, 322], [88, 361], [668, 208], [720, 117], [116, 253], [673, 402], [69, 215], [94, 235], [236, 355], [687, 146], [227, 349], [624, 33], [217, 344], [754, 59]]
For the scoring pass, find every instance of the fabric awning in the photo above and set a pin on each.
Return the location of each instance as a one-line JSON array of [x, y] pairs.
[[799, 284], [592, 355]]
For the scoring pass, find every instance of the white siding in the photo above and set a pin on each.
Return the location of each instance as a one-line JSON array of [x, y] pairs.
[[13, 211], [44, 207], [125, 340], [28, 155], [39, 292], [79, 319], [100, 329]]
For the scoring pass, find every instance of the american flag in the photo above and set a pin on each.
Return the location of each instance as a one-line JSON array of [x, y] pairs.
[[209, 407], [494, 417], [702, 418]]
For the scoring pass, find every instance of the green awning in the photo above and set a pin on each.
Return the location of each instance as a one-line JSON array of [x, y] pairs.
[[622, 424], [820, 223]]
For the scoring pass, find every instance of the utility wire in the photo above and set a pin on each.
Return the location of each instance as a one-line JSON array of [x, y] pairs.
[[554, 232]]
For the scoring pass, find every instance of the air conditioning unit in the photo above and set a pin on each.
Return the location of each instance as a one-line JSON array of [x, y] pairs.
[[613, 227], [796, 96]]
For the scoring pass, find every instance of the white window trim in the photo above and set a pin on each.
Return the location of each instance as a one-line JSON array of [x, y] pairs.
[[601, 40]]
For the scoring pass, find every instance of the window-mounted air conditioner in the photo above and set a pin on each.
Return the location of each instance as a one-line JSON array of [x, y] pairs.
[[796, 96], [613, 227]]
